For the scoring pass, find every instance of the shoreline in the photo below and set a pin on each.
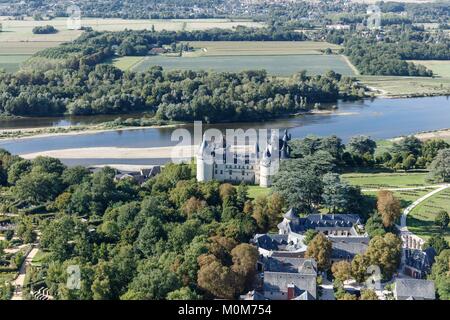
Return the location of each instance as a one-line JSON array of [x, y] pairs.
[[13, 134]]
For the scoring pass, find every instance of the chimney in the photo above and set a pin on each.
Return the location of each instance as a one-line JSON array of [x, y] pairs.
[[290, 291]]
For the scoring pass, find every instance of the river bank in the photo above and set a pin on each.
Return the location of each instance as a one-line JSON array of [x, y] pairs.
[[45, 132]]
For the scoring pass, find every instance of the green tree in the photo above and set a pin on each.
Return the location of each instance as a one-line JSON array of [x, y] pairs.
[[440, 274], [184, 293], [360, 145], [335, 193], [440, 167], [442, 219], [437, 242]]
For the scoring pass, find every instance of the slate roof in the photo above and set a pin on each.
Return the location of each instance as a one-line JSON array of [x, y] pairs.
[[314, 221], [414, 289], [290, 264], [348, 247], [270, 241], [420, 260]]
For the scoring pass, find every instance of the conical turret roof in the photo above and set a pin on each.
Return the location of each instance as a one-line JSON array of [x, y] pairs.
[[291, 214]]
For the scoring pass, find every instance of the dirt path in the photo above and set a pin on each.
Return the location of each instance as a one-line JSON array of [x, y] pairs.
[[20, 280], [403, 189]]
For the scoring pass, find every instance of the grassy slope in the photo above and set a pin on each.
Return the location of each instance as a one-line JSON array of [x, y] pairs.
[[421, 219], [386, 180]]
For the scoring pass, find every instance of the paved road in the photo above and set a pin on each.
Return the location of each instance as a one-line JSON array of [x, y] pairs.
[[19, 281]]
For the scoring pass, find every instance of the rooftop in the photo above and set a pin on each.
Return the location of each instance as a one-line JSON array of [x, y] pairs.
[[414, 289]]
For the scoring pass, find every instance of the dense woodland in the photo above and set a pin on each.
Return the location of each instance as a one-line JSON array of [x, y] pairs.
[[385, 52]]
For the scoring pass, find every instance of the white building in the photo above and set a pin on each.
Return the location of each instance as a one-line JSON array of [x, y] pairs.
[[221, 162]]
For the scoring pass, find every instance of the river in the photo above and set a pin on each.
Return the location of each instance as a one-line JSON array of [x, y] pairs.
[[377, 118]]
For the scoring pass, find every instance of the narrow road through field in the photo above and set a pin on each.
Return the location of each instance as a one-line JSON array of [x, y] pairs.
[[403, 226], [407, 235]]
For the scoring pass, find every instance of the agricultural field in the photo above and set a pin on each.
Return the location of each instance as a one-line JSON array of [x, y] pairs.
[[392, 86], [276, 65], [252, 48], [12, 63], [440, 68], [278, 58], [126, 63], [421, 219], [386, 180], [20, 39]]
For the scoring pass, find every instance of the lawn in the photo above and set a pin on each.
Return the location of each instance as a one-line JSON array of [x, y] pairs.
[[39, 257], [256, 191], [440, 68], [277, 65], [392, 86], [386, 180], [421, 219], [11, 63]]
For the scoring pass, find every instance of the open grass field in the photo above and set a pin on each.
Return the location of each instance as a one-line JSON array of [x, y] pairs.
[[276, 65], [126, 63], [11, 63], [421, 219], [392, 86], [386, 180], [256, 191], [440, 68], [252, 48], [19, 38], [406, 197]]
